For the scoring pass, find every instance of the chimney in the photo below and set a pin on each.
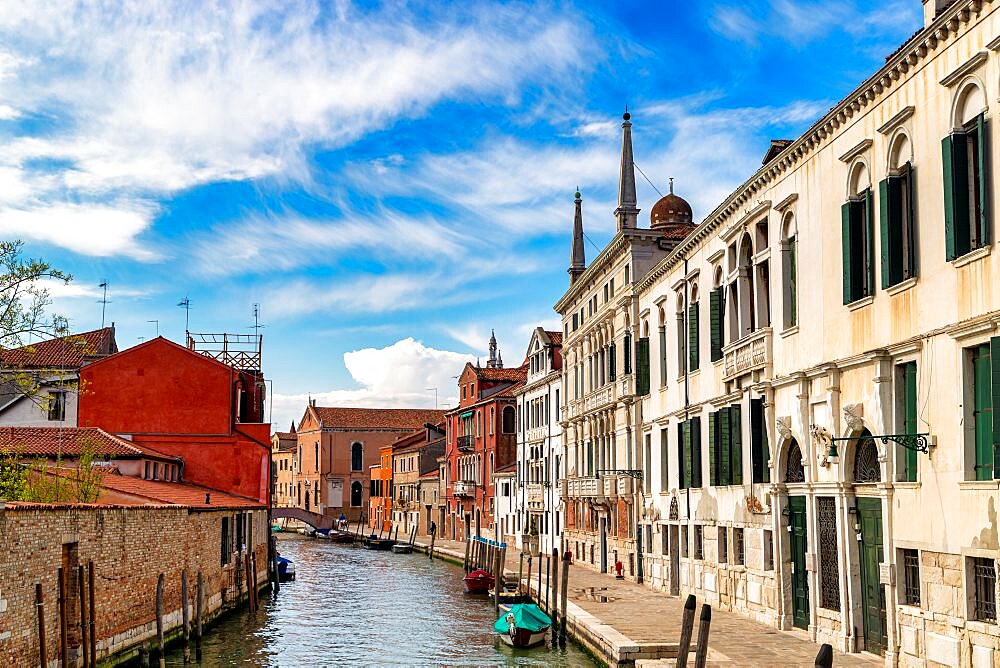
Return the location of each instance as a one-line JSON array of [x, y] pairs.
[[208, 499], [932, 8]]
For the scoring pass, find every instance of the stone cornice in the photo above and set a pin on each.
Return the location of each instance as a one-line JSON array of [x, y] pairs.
[[895, 121], [908, 57], [971, 65]]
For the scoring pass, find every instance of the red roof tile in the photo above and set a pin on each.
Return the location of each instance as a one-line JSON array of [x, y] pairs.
[[284, 435], [171, 493], [554, 337], [70, 441], [377, 418], [66, 352], [511, 374]]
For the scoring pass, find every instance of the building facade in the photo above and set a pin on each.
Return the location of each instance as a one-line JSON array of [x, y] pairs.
[[818, 438], [537, 498], [415, 468], [601, 419], [380, 492], [283, 460]]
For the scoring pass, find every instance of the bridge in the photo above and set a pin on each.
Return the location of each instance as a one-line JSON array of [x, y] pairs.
[[315, 520]]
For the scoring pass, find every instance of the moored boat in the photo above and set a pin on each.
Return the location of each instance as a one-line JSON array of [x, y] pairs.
[[375, 543], [523, 626], [341, 537], [478, 582], [402, 548], [286, 569]]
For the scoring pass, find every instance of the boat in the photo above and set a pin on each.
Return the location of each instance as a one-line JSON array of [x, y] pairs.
[[478, 582], [523, 626], [286, 569], [341, 537], [402, 548], [375, 543]]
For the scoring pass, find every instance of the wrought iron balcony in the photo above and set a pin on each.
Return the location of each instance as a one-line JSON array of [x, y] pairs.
[[465, 488], [751, 353], [466, 443]]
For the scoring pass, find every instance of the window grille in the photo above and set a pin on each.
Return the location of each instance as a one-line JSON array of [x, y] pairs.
[[699, 552], [826, 519], [911, 577], [866, 466], [739, 555], [723, 546], [985, 574], [794, 471]]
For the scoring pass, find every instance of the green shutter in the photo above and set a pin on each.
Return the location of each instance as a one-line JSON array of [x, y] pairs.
[[715, 317], [948, 167], [910, 418], [883, 224], [758, 441], [664, 461], [642, 366], [693, 355], [726, 468], [684, 432], [713, 449], [611, 365], [995, 401], [736, 443], [982, 412], [695, 451], [663, 356], [845, 231], [911, 198], [984, 180], [869, 231]]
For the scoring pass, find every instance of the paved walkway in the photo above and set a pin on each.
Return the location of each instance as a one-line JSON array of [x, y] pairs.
[[625, 613]]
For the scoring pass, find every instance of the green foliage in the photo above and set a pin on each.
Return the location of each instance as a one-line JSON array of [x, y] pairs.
[[37, 480]]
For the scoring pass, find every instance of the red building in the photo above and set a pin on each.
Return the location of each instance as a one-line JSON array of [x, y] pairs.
[[188, 403], [481, 439]]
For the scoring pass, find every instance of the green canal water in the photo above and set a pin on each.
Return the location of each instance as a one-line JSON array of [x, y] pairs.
[[354, 607]]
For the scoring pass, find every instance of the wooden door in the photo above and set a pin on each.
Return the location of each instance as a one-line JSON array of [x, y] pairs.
[[798, 544], [872, 592]]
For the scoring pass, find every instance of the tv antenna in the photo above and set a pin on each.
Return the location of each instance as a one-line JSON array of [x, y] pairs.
[[256, 326], [103, 301], [186, 305]]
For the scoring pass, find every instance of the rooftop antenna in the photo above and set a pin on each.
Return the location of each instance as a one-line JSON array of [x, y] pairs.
[[104, 300], [256, 320], [157, 326], [186, 305]]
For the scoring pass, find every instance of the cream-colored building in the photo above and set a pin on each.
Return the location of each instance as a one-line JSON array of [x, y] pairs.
[[819, 436], [600, 420]]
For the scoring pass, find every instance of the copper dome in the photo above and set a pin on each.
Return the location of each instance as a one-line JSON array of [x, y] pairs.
[[670, 210]]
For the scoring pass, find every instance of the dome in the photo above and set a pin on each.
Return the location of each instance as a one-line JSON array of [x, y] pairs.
[[670, 210]]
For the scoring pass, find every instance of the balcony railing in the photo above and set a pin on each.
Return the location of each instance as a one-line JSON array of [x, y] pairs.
[[584, 488], [466, 443], [464, 488], [751, 353], [609, 482]]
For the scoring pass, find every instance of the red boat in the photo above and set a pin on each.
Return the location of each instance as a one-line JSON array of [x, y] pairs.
[[478, 582]]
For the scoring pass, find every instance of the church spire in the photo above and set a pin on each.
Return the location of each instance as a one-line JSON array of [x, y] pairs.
[[578, 261], [626, 213], [492, 362]]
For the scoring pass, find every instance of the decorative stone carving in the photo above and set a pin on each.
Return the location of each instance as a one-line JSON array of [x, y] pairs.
[[784, 425], [854, 416], [822, 440], [673, 509]]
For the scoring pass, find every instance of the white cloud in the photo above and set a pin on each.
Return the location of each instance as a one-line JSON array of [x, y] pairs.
[[87, 229], [397, 376]]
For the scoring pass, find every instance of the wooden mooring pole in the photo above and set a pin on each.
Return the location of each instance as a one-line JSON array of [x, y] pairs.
[[548, 585], [82, 592], [497, 581], [527, 580], [93, 615], [564, 593], [554, 614], [824, 658], [704, 625], [198, 617], [63, 640], [687, 626], [468, 546], [541, 567], [159, 615], [43, 660], [430, 552], [185, 615], [520, 571]]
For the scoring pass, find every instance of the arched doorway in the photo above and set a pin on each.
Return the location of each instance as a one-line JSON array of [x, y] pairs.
[[356, 494], [867, 469], [795, 474]]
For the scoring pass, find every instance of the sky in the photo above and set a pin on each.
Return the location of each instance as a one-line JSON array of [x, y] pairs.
[[388, 181]]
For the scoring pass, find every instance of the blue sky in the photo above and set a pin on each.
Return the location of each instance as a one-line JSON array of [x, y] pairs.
[[388, 181]]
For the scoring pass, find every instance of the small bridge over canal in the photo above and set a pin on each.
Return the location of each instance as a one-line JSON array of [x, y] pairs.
[[315, 520]]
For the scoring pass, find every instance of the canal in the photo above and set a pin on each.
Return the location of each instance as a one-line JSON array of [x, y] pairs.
[[354, 607]]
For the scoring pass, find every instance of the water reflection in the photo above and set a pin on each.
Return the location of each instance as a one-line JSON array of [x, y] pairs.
[[351, 606]]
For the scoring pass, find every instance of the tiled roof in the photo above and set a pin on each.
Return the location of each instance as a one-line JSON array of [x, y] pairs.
[[70, 441], [507, 468], [285, 435], [555, 337], [511, 374], [171, 493], [377, 418], [512, 390], [433, 473], [67, 352]]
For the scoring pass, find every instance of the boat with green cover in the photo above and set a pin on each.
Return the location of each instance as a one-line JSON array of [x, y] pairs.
[[524, 625]]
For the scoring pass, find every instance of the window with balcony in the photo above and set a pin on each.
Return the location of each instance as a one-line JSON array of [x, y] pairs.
[[965, 162]]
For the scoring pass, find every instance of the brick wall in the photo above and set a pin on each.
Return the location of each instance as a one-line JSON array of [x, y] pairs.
[[130, 547]]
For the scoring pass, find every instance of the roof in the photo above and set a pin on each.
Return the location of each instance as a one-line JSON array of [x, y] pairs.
[[377, 418], [285, 435], [64, 352], [154, 492], [71, 441], [554, 337], [509, 374], [506, 468]]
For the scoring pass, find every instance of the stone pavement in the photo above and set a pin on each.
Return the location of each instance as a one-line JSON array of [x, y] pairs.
[[619, 617]]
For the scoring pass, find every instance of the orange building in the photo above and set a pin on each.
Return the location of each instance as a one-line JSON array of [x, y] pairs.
[[380, 492]]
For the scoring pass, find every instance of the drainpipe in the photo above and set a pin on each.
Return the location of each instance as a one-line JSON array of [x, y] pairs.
[[687, 381]]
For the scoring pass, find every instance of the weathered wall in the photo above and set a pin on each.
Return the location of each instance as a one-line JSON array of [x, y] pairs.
[[130, 547]]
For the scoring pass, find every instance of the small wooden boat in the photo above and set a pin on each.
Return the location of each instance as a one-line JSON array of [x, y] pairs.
[[523, 626], [402, 548], [375, 543], [341, 537], [286, 569], [478, 582]]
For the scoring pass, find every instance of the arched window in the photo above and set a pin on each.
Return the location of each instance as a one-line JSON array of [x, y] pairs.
[[694, 350], [717, 316], [794, 471], [966, 173], [508, 420], [746, 303], [857, 235], [897, 194], [866, 464], [663, 348], [357, 456], [356, 494], [789, 272]]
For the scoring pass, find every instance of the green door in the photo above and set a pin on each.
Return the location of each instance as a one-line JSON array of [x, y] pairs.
[[872, 591], [800, 580]]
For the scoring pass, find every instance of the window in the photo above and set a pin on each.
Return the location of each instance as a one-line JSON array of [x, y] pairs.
[[966, 211], [789, 273], [725, 454], [906, 414], [739, 552], [896, 199], [612, 284], [723, 543], [664, 540], [357, 456], [699, 542], [760, 453], [911, 576], [984, 574], [627, 350], [684, 541], [664, 481], [716, 308], [225, 542], [57, 406], [829, 570], [986, 420], [642, 367], [507, 420], [316, 455], [693, 352], [689, 453], [575, 322], [663, 353], [858, 241], [768, 550], [647, 474]]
